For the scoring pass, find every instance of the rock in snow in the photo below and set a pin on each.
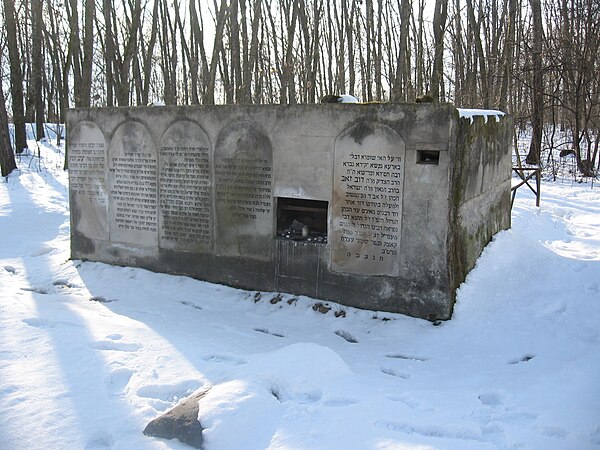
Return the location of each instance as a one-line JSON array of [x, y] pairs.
[[179, 423]]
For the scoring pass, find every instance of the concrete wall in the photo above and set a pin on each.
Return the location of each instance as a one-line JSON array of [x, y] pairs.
[[194, 191], [480, 190]]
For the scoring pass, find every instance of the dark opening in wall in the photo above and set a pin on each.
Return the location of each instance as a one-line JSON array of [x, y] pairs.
[[428, 157], [301, 219]]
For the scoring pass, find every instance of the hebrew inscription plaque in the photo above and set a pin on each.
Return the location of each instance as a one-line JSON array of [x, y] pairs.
[[133, 186], [185, 185], [367, 202], [87, 180], [244, 192]]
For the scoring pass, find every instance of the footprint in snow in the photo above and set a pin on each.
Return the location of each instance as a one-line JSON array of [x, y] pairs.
[[411, 402], [340, 401], [169, 392], [224, 359], [99, 299], [42, 251], [36, 322], [191, 305], [394, 373], [490, 399], [63, 283], [100, 440], [407, 357], [265, 331], [305, 396], [346, 336], [117, 381], [434, 431], [36, 289], [554, 432], [524, 358], [116, 346]]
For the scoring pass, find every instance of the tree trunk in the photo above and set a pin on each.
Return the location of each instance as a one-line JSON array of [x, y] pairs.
[[508, 55], [16, 78], [88, 54], [236, 55], [350, 15], [537, 94], [459, 57], [439, 24], [480, 56], [109, 52], [253, 63], [288, 91], [37, 67], [7, 157], [124, 85], [220, 19]]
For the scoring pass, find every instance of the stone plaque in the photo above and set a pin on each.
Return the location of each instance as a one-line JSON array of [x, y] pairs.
[[133, 186], [244, 192], [367, 200], [87, 181], [185, 186]]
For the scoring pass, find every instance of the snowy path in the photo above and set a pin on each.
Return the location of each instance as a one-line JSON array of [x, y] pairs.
[[90, 353]]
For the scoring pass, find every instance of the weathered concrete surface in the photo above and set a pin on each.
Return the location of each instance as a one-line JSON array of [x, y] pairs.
[[480, 190], [194, 191], [180, 423]]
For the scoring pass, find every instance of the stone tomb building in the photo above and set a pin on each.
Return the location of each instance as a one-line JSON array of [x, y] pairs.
[[378, 206]]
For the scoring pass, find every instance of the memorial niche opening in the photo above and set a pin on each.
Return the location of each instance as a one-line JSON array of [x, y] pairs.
[[302, 219]]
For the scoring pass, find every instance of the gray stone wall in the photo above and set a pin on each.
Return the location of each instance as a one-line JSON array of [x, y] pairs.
[[203, 191], [480, 193]]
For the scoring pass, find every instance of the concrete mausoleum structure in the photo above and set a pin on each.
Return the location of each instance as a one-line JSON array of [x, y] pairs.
[[378, 206]]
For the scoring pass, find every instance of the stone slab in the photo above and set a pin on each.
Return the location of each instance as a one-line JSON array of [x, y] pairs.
[[133, 186], [185, 189], [367, 200]]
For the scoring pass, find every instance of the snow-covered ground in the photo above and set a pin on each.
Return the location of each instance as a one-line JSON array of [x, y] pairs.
[[90, 353]]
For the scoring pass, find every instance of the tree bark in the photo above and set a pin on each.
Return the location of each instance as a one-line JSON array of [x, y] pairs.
[[220, 19], [439, 24], [7, 157], [88, 54], [480, 55], [109, 52], [400, 90], [537, 94], [16, 77], [37, 67]]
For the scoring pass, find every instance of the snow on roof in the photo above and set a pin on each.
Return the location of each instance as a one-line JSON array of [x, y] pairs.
[[347, 98], [485, 113]]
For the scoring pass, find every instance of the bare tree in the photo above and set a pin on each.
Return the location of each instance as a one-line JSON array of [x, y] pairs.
[[37, 68], [16, 77], [220, 19], [7, 157], [537, 95], [439, 23]]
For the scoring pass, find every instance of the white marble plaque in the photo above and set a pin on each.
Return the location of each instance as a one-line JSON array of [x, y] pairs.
[[367, 200], [133, 186], [87, 180], [185, 188], [244, 192]]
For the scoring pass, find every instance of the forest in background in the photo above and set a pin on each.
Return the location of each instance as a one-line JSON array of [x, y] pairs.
[[538, 60]]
